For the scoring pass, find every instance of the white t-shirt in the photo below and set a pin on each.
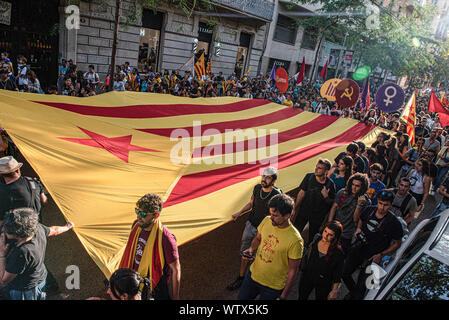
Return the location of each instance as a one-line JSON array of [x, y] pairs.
[[23, 71], [417, 182], [91, 77]]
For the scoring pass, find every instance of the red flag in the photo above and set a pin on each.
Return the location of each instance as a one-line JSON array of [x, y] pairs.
[[302, 72], [436, 106], [323, 73], [368, 99]]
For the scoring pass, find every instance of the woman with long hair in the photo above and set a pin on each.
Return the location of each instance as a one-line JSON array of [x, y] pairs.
[[125, 284], [340, 174], [420, 181], [33, 85], [322, 264]]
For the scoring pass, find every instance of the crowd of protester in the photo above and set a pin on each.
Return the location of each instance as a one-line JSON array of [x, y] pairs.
[[359, 206]]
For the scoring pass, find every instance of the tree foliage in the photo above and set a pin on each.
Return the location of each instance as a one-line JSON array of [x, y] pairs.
[[401, 43]]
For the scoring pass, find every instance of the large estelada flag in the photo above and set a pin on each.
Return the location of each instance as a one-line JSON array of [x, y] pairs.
[[409, 117], [98, 155]]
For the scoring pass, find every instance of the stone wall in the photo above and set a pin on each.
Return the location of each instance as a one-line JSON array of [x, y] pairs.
[[92, 43]]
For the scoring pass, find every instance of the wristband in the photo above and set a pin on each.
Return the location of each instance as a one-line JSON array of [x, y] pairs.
[[2, 257]]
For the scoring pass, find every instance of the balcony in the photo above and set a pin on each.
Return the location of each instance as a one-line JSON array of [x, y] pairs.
[[260, 9]]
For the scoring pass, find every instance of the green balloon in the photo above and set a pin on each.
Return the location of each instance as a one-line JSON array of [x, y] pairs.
[[361, 73]]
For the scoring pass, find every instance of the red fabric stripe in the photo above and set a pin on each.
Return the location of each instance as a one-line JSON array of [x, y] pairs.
[[306, 129], [199, 184], [236, 124], [156, 111], [126, 262]]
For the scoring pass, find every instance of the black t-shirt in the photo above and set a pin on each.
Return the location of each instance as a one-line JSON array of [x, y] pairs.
[[18, 195], [194, 93], [8, 85], [27, 261], [260, 204], [313, 205], [366, 162], [359, 164], [379, 232]]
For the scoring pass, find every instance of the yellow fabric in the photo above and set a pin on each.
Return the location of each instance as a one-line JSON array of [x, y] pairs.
[[409, 117], [146, 262], [98, 191], [270, 267]]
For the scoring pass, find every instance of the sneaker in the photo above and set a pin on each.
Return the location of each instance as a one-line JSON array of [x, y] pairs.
[[235, 285]]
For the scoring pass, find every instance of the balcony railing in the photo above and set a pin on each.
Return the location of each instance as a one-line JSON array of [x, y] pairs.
[[260, 8]]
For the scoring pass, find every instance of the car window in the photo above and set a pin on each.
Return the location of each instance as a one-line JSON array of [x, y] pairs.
[[420, 239], [441, 246], [427, 279]]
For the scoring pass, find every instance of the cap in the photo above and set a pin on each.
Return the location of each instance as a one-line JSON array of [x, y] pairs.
[[270, 171]]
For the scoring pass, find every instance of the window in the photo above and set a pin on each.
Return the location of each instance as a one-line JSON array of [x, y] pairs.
[[242, 55], [428, 279], [310, 38], [285, 29], [150, 34], [420, 240], [280, 63], [204, 38]]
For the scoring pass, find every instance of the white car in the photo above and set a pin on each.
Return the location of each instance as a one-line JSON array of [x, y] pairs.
[[420, 268]]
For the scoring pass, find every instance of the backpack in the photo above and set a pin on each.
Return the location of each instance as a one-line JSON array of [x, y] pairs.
[[404, 203]]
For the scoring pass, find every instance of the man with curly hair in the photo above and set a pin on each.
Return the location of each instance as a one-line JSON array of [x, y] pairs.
[[22, 251], [152, 250]]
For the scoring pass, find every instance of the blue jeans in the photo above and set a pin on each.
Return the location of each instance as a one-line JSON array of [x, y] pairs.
[[250, 289], [36, 293], [440, 208]]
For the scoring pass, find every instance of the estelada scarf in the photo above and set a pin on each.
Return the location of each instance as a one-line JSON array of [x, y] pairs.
[[152, 263]]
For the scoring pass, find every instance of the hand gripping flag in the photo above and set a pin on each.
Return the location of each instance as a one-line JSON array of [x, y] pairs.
[[98, 155], [408, 116]]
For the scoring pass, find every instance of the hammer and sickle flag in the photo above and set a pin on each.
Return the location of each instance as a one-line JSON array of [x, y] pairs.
[[98, 155]]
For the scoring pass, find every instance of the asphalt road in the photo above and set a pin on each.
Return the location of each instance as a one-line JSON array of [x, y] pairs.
[[208, 263]]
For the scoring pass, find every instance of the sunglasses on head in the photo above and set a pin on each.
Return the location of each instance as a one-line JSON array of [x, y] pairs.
[[143, 214], [388, 194]]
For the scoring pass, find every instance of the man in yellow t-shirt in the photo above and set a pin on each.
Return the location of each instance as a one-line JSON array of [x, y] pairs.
[[279, 250]]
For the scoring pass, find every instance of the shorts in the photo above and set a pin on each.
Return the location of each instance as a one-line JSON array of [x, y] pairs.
[[249, 234]]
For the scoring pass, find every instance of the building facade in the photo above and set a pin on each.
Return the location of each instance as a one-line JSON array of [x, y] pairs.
[[233, 34]]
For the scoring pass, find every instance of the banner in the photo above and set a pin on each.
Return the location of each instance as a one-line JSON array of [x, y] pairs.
[[327, 90], [98, 155], [281, 79]]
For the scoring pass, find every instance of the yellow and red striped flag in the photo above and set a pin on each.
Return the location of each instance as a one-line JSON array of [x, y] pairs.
[[200, 69], [408, 116], [209, 65], [98, 155]]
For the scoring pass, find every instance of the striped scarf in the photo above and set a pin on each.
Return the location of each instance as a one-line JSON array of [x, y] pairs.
[[152, 262]]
